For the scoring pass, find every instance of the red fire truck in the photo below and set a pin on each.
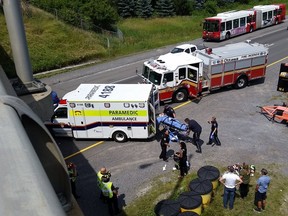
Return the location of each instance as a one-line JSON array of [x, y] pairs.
[[183, 75], [233, 23]]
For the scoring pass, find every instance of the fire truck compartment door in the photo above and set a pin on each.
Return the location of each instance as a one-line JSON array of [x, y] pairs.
[[193, 76]]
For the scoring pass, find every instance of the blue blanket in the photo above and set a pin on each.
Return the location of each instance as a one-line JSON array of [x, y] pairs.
[[172, 123]]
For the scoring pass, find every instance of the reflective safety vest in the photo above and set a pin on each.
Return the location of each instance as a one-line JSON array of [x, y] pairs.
[[107, 189], [99, 181]]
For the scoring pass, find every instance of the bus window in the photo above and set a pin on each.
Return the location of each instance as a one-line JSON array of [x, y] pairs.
[[242, 21], [235, 23], [249, 19], [229, 25], [211, 26], [264, 16], [270, 15], [279, 12], [222, 26], [275, 12]]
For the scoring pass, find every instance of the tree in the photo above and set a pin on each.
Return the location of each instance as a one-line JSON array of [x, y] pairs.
[[126, 8], [144, 8], [184, 7], [101, 13], [165, 8], [211, 7]]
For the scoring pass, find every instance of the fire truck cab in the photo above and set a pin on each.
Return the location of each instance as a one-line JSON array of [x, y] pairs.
[[176, 76]]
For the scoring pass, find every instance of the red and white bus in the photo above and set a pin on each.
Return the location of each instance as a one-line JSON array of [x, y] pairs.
[[233, 23]]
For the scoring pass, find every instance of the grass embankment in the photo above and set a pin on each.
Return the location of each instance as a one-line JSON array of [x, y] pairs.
[[53, 44], [169, 187]]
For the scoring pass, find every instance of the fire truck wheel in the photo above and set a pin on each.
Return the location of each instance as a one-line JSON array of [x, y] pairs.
[[180, 96], [119, 136], [241, 82]]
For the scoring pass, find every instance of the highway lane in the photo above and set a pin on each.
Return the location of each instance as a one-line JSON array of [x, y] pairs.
[[122, 70], [133, 163]]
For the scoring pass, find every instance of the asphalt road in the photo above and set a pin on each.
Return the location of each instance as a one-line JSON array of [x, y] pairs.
[[246, 135]]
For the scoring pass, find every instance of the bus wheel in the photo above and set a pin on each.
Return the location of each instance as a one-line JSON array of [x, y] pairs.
[[180, 96], [119, 136], [241, 82], [251, 29], [227, 36], [276, 22]]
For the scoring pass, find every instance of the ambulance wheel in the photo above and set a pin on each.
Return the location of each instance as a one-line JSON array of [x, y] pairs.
[[119, 136], [180, 96], [241, 82]]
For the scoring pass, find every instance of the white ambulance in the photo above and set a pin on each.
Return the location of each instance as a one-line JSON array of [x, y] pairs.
[[103, 111]]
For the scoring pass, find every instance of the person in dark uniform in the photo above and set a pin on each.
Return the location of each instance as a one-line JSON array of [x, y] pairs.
[[169, 111], [182, 155], [164, 143], [214, 132], [197, 129]]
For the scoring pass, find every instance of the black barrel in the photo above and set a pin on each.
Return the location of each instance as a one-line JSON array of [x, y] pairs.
[[188, 213], [202, 187], [189, 202], [211, 173], [167, 208]]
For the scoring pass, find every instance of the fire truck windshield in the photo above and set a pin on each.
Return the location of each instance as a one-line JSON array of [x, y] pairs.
[[152, 76], [211, 26]]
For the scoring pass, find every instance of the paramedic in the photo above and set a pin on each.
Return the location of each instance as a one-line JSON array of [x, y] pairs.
[[169, 111], [164, 143], [197, 129]]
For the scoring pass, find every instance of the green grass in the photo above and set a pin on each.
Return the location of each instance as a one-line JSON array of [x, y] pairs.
[[53, 44], [169, 187]]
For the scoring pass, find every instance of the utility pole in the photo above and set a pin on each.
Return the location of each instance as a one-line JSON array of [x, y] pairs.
[[14, 20]]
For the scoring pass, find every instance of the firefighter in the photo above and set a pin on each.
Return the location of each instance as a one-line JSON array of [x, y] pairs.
[[72, 171]]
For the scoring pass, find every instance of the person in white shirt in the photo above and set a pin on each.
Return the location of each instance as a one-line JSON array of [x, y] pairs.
[[230, 180]]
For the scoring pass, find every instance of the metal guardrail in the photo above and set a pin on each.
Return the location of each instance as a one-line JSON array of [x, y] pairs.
[[34, 177]]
